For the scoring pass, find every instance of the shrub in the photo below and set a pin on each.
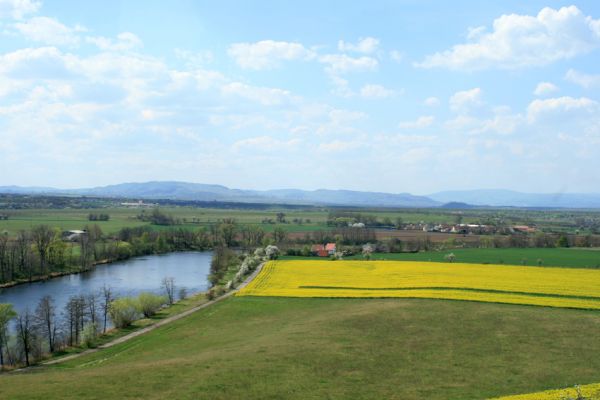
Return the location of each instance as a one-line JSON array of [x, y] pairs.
[[123, 312], [89, 335], [182, 293], [150, 303], [210, 294]]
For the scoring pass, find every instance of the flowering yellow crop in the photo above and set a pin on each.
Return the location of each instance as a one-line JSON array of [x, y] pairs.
[[555, 287], [591, 392]]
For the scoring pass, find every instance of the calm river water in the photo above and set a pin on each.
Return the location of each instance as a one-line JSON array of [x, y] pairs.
[[126, 278]]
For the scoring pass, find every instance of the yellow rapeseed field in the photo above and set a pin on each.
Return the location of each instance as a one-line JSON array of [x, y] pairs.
[[555, 287], [591, 392]]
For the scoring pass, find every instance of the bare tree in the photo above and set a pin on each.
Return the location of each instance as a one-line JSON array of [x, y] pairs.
[[91, 304], [42, 236], [45, 320], [6, 315], [168, 284], [107, 298], [25, 334], [75, 318]]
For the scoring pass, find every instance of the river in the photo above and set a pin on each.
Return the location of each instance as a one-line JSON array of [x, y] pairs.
[[125, 278]]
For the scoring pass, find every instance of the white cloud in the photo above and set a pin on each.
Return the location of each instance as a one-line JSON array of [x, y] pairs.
[[431, 102], [17, 9], [338, 146], [342, 63], [267, 54], [396, 56], [195, 59], [49, 31], [263, 95], [523, 41], [463, 100], [419, 123], [341, 87], [266, 143], [366, 45], [376, 91], [125, 41], [43, 63], [586, 81], [544, 88], [538, 109]]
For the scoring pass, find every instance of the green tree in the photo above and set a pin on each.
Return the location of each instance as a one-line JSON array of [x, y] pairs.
[[563, 241], [279, 235]]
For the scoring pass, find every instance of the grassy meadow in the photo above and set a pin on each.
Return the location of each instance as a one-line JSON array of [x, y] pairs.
[[292, 348], [550, 257]]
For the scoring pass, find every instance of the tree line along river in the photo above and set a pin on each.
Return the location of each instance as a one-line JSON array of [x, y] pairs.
[[190, 270]]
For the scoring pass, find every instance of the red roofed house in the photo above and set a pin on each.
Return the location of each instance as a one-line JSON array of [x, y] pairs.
[[330, 247], [321, 250]]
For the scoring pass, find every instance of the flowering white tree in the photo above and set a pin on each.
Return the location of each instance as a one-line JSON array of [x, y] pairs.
[[272, 252], [367, 250]]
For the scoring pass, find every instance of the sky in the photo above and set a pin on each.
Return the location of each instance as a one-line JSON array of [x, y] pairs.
[[390, 96]]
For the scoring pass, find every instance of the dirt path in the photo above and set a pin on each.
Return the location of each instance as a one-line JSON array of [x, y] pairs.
[[154, 326]]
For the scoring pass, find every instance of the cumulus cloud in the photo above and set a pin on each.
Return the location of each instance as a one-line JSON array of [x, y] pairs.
[[267, 54], [49, 31], [463, 100], [372, 91], [544, 88], [431, 102], [584, 80], [339, 146], [263, 95], [517, 41], [17, 9], [366, 45], [266, 143], [419, 123], [195, 59], [125, 41], [539, 109], [342, 63]]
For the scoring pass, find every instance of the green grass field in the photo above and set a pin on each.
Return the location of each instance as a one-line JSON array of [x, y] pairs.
[[283, 348], [555, 257], [66, 219]]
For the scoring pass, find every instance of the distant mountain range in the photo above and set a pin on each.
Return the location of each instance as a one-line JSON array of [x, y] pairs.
[[509, 198], [204, 192]]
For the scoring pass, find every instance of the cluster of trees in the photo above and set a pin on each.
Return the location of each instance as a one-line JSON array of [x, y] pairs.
[[98, 217], [158, 217], [42, 251], [45, 330], [80, 322], [39, 251]]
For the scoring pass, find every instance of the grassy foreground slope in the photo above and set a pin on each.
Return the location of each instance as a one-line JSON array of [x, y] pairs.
[[293, 348]]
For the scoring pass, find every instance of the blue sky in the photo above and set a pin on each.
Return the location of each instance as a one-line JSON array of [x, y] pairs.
[[402, 96]]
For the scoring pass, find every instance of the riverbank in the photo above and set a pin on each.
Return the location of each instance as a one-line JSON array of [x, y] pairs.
[[56, 274], [179, 310]]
